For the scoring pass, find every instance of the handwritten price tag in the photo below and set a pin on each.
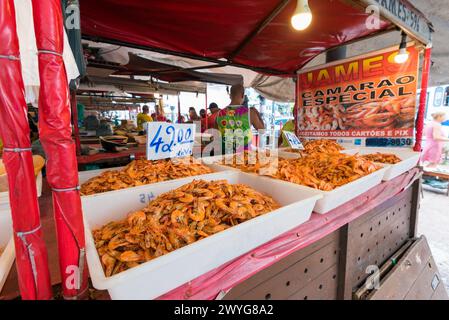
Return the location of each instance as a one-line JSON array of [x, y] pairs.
[[293, 140], [167, 140]]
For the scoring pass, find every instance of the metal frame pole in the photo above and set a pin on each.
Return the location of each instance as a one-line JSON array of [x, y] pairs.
[[423, 97]]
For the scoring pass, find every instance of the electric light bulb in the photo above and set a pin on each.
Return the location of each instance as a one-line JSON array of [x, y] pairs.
[[402, 56], [302, 18]]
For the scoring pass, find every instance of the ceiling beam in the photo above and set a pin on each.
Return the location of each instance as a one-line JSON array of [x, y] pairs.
[[262, 25]]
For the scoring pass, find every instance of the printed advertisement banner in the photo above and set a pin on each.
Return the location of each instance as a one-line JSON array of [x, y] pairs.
[[369, 96]]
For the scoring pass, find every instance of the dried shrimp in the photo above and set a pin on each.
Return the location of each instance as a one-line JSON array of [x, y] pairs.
[[176, 219]]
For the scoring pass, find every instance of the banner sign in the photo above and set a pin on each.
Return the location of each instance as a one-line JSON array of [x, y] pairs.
[[369, 96], [293, 140], [167, 140]]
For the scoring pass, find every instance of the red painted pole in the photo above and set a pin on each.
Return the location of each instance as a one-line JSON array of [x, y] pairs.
[[296, 107], [207, 116], [56, 137], [423, 97], [179, 106], [31, 253]]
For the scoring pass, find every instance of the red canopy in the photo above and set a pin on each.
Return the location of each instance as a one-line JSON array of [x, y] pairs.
[[217, 29]]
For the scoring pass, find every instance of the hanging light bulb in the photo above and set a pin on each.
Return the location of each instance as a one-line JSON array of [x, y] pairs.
[[302, 17], [402, 55]]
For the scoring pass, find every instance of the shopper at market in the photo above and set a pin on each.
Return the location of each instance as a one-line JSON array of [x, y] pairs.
[[202, 113], [237, 119], [210, 121], [159, 114], [193, 116], [435, 139], [143, 117]]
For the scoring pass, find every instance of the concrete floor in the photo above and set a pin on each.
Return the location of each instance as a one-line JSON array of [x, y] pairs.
[[434, 224]]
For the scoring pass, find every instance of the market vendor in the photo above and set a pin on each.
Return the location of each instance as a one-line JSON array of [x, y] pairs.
[[143, 117], [237, 119]]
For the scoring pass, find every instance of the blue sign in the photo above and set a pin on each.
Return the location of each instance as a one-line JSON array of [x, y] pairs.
[[168, 140]]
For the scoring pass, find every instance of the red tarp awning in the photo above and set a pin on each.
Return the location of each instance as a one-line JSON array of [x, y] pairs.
[[215, 28]]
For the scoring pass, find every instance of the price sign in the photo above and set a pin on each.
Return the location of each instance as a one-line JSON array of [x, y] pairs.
[[293, 140], [167, 140]]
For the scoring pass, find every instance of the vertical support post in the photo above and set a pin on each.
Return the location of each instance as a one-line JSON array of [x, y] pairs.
[[31, 253], [296, 107], [179, 106], [344, 289], [423, 97], [76, 128], [56, 137], [416, 200], [207, 116]]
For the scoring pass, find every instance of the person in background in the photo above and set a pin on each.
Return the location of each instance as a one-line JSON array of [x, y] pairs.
[[289, 126], [236, 116], [433, 150], [193, 116], [182, 119], [143, 117], [202, 113], [209, 121], [159, 114]]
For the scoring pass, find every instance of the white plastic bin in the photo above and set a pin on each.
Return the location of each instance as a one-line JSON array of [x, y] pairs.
[[154, 278], [7, 244], [409, 158], [339, 196]]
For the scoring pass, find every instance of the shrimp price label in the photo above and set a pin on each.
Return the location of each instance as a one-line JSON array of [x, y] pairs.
[[293, 141], [167, 140]]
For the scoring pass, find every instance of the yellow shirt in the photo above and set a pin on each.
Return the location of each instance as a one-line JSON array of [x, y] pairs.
[[141, 119]]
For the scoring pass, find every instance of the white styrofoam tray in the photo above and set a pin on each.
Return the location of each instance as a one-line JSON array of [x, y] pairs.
[[215, 162], [154, 278], [409, 158], [7, 243], [331, 199], [4, 196]]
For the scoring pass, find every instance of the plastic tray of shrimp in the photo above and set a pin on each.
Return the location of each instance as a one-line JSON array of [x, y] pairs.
[[330, 200], [7, 254], [140, 173], [401, 159], [153, 276]]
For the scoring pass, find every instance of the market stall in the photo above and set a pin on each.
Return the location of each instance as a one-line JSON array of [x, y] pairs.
[[306, 229]]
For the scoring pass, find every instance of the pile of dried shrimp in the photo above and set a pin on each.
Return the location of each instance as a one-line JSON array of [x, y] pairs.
[[322, 146], [387, 158], [175, 219], [252, 162], [142, 172], [324, 171]]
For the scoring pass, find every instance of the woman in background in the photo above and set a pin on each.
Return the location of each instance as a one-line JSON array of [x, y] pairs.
[[159, 115], [193, 116], [435, 139]]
